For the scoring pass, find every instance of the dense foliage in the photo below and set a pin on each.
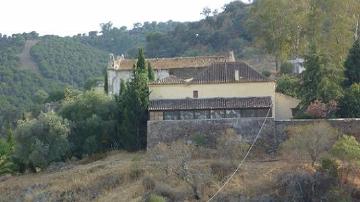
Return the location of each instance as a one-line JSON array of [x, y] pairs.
[[218, 32], [92, 116], [61, 62], [41, 141], [68, 61], [123, 40], [6, 151], [350, 103], [288, 85], [133, 102], [352, 65], [320, 81]]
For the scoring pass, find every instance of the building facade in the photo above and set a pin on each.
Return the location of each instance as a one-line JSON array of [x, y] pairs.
[[221, 90], [182, 67]]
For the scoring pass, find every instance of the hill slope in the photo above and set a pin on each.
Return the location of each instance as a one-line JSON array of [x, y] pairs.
[[54, 63]]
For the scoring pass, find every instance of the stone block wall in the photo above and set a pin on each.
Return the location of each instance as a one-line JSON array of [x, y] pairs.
[[172, 130], [273, 134]]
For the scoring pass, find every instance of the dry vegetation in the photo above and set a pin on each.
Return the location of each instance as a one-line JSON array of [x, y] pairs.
[[122, 177], [176, 172]]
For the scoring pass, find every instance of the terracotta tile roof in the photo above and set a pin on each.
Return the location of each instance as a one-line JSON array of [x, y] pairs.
[[172, 63], [226, 72], [209, 103]]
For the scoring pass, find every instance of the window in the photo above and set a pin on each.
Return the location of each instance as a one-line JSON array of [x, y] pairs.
[[195, 94]]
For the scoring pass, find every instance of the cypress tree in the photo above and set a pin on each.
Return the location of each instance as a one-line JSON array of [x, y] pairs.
[[140, 64], [106, 84], [134, 102], [311, 78], [352, 65], [151, 74]]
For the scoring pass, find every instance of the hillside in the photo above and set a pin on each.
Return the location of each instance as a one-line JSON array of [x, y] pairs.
[[121, 176], [26, 60], [33, 68]]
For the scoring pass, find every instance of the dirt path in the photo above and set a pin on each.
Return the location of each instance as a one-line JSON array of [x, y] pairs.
[[26, 61]]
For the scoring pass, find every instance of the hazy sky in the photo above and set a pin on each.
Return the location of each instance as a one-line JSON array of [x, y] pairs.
[[69, 17]]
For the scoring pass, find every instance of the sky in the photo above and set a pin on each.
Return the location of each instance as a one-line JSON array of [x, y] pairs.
[[70, 17]]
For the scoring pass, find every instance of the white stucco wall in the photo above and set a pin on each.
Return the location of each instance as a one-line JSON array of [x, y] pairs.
[[284, 104], [115, 77]]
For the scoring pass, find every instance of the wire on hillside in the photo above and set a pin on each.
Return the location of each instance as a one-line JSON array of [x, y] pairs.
[[243, 160]]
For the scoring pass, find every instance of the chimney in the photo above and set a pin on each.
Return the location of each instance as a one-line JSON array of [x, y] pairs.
[[237, 75], [231, 56]]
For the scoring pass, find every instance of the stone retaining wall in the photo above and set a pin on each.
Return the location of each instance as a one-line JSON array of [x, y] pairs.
[[274, 132], [168, 131]]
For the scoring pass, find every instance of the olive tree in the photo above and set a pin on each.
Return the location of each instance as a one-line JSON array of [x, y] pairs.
[[41, 141], [309, 141]]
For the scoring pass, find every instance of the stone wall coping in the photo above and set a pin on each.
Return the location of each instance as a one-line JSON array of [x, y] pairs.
[[224, 119], [308, 120]]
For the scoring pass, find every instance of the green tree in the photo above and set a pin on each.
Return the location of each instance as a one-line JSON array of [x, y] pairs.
[[278, 35], [140, 64], [288, 85], [41, 141], [93, 122], [106, 83], [350, 103], [321, 79], [352, 65], [133, 105], [6, 152], [347, 149], [151, 74], [311, 78]]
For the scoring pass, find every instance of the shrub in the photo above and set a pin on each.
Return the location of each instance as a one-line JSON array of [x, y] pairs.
[[6, 150], [288, 85], [231, 147], [156, 198], [310, 140], [296, 186], [286, 68], [199, 140], [175, 161], [266, 73], [222, 169], [317, 109], [350, 103], [330, 167], [93, 123], [148, 183], [347, 148], [42, 141]]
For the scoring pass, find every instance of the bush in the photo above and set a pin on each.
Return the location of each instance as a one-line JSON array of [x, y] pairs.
[[296, 186], [288, 85], [266, 73], [286, 68], [42, 141], [148, 183], [310, 141], [156, 198], [350, 103], [330, 167], [6, 150], [320, 110], [222, 169], [93, 123], [231, 147], [199, 140]]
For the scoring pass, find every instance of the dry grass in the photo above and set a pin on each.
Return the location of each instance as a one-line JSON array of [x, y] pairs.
[[101, 180], [120, 176]]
